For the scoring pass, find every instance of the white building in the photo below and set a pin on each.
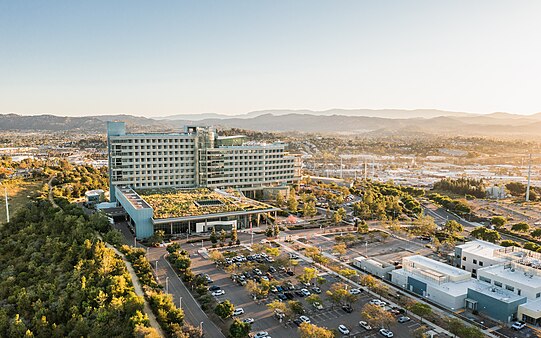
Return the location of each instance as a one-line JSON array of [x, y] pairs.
[[433, 280], [477, 254], [373, 266], [195, 158]]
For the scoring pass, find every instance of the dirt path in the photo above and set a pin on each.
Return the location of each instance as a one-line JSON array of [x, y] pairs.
[[51, 199], [139, 291]]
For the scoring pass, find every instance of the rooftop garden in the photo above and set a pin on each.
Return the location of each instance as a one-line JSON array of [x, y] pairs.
[[172, 203]]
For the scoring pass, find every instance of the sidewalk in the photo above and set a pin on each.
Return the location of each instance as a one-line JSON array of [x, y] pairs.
[[139, 291]]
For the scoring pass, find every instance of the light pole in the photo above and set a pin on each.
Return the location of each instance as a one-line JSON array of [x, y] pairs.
[[135, 241], [156, 267], [166, 284], [180, 302], [201, 328]]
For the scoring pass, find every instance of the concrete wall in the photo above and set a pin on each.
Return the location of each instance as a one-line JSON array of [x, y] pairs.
[[442, 297], [494, 307], [141, 217]]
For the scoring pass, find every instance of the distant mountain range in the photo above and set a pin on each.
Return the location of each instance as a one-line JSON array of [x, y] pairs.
[[354, 121]]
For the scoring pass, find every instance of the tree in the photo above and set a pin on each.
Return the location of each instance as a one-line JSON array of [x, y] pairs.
[[278, 307], [376, 315], [459, 329], [309, 209], [337, 293], [292, 203], [276, 230], [339, 215], [424, 225], [239, 329], [421, 309], [369, 281], [279, 200], [312, 331], [234, 235], [485, 234], [313, 298], [340, 249], [508, 242], [295, 307], [223, 236], [520, 227], [452, 227], [536, 233], [269, 232], [307, 275], [216, 256], [213, 236], [224, 309], [362, 227], [498, 221]]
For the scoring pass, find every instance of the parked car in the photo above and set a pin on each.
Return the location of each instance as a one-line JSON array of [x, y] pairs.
[[289, 295], [273, 289], [265, 278], [365, 325], [355, 291], [238, 311], [305, 319], [518, 325], [305, 292], [282, 297], [257, 271], [386, 333], [315, 289], [343, 329], [318, 305], [299, 293], [290, 273], [248, 320], [375, 302], [403, 319], [347, 308], [272, 269], [279, 288], [218, 293], [261, 334], [298, 322]]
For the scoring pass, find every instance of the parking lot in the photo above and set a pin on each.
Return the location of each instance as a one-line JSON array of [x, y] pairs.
[[264, 319]]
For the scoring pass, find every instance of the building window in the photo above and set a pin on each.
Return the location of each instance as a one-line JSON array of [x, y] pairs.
[[464, 258], [537, 295], [473, 271], [510, 288], [475, 261], [499, 284], [463, 267], [480, 263], [484, 279]]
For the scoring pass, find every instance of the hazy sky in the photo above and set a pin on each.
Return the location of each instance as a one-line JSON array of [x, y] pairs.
[[157, 58]]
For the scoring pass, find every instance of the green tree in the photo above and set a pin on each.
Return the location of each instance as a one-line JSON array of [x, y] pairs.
[[339, 215], [362, 227], [239, 329], [485, 234], [292, 203], [421, 309], [307, 275], [234, 235], [340, 249], [224, 309], [295, 307], [452, 227], [520, 227], [508, 242], [498, 222], [213, 236], [309, 209], [280, 200], [536, 233], [223, 236], [369, 281]]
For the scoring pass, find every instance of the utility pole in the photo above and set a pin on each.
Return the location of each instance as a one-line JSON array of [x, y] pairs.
[[166, 284], [341, 168], [7, 205], [529, 174]]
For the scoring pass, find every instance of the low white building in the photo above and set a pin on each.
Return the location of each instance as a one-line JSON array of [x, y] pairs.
[[433, 280], [374, 267], [477, 254]]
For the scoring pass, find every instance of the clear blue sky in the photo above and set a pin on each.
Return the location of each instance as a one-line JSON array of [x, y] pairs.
[[157, 58]]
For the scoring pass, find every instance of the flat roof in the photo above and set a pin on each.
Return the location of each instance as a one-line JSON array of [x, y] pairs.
[[438, 267], [135, 200], [495, 292], [455, 289], [534, 306], [517, 273], [481, 248]]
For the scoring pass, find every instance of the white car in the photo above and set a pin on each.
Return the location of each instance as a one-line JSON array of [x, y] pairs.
[[305, 319], [404, 319], [382, 304], [375, 301], [248, 320], [305, 292], [218, 293], [238, 311], [518, 325], [265, 278], [354, 291], [365, 325], [318, 305], [343, 329], [261, 334], [386, 333]]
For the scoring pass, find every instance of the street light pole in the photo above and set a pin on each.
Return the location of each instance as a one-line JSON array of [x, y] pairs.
[[180, 302], [166, 284], [156, 267], [201, 328], [135, 241]]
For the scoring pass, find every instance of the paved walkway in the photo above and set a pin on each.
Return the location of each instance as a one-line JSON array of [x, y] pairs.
[[139, 291]]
